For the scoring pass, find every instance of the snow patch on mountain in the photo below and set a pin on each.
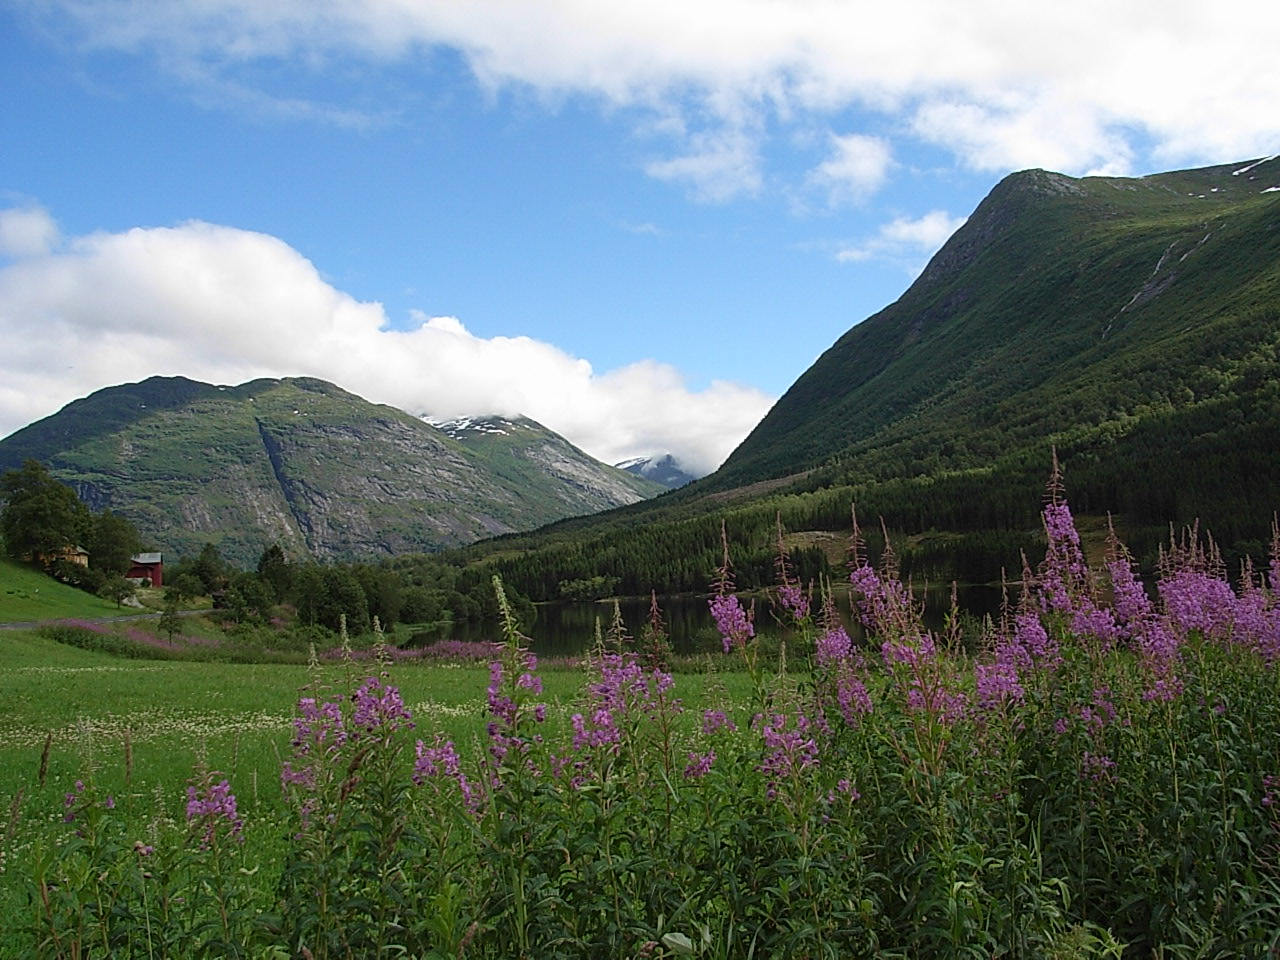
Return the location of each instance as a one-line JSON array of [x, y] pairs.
[[1256, 163], [460, 427], [660, 468]]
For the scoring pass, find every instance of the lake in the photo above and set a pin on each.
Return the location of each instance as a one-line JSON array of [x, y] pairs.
[[567, 629]]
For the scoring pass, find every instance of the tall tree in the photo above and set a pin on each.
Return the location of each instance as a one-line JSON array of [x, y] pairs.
[[41, 517], [210, 568], [326, 593], [248, 598], [112, 543], [170, 621], [185, 586], [275, 572]]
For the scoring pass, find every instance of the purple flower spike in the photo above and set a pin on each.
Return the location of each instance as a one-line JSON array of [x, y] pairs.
[[713, 720], [380, 709], [732, 621], [832, 646], [442, 760], [215, 805], [794, 600]]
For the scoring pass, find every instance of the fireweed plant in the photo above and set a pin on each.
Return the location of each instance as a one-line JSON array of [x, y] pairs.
[[1099, 776]]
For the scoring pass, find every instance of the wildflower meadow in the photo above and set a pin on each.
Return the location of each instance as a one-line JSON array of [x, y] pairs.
[[1093, 773]]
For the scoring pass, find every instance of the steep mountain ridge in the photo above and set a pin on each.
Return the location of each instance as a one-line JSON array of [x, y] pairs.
[[304, 463], [1052, 279]]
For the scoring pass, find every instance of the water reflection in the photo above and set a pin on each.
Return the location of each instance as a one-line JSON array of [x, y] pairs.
[[567, 629]]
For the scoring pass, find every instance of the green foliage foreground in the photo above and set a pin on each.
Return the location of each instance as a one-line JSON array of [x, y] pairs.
[[1101, 779]]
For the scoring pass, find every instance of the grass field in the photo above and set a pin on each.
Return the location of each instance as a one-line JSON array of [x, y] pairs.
[[27, 594], [139, 728]]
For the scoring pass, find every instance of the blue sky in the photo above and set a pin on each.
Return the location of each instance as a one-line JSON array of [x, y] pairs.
[[638, 225]]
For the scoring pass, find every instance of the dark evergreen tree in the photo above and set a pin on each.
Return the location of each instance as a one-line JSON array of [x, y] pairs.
[[210, 569], [382, 591], [275, 572], [420, 605], [324, 594]]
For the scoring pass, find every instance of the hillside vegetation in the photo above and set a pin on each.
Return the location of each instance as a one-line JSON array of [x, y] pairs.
[[28, 594], [1132, 323]]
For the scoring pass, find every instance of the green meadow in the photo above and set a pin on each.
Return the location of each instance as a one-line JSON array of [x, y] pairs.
[[27, 594], [139, 729]]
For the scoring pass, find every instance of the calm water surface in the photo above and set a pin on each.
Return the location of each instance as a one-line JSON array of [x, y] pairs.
[[567, 629]]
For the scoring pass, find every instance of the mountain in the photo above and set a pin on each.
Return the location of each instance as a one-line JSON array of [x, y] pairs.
[[1061, 307], [525, 452], [1132, 324], [664, 470], [306, 464]]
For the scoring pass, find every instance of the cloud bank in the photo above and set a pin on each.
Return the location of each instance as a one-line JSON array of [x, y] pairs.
[[1090, 86], [225, 305]]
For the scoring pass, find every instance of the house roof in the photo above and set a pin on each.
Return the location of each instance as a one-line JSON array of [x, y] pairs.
[[145, 558]]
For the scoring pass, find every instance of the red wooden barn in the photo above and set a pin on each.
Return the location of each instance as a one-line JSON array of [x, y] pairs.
[[149, 567]]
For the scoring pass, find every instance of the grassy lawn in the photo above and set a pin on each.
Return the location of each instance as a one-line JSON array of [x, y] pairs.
[[27, 594]]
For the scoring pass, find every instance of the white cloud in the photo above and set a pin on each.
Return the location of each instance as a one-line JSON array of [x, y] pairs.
[[905, 239], [26, 231], [720, 165], [1003, 84], [224, 305], [925, 234], [1021, 132], [857, 167]]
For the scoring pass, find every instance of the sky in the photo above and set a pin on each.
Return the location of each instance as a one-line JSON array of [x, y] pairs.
[[637, 223]]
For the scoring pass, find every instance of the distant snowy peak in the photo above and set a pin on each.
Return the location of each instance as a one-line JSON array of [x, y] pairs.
[[660, 469]]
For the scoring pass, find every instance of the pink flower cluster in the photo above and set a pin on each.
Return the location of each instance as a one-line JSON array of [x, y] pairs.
[[789, 748], [505, 736], [208, 810], [699, 764], [624, 693], [732, 621], [379, 709], [794, 600], [442, 760]]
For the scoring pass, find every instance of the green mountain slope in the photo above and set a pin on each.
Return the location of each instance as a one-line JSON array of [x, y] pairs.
[[306, 464], [1062, 305], [1133, 324]]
